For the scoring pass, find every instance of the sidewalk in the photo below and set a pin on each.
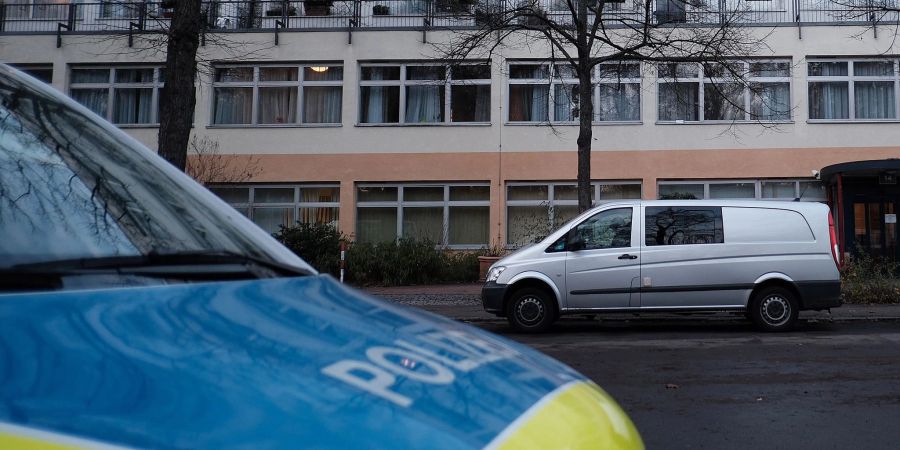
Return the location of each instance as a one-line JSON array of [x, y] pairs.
[[463, 302]]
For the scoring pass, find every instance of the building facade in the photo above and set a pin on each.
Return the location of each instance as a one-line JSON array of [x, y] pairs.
[[349, 115]]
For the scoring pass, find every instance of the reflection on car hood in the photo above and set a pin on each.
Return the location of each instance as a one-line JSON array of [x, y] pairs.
[[284, 363]]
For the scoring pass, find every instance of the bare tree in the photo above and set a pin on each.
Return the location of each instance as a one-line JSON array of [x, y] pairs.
[[184, 33], [874, 13], [585, 33], [206, 165]]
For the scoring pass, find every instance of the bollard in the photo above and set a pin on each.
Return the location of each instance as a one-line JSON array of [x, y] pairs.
[[343, 253]]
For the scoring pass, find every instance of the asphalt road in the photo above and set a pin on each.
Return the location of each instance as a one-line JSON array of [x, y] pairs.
[[692, 384]]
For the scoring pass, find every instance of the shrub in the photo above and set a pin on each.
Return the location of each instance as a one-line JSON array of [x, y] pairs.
[[318, 244], [408, 261], [459, 267], [867, 279], [404, 262]]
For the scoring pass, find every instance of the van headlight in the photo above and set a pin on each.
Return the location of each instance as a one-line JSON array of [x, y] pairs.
[[494, 273]]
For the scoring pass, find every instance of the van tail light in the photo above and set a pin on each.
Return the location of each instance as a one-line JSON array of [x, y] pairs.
[[835, 251]]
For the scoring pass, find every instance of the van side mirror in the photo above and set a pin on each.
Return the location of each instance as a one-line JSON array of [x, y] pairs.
[[574, 241]]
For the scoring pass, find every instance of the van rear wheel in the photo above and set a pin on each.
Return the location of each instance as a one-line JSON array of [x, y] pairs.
[[530, 310], [774, 309]]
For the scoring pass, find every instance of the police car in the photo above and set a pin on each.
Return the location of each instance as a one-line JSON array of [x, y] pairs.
[[139, 310]]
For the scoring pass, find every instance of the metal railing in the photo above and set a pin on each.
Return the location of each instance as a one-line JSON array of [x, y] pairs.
[[26, 16]]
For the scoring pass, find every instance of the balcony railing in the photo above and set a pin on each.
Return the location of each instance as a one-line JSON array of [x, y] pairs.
[[27, 16]]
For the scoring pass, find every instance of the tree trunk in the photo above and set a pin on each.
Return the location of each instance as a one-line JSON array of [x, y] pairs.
[[586, 107], [585, 135], [179, 96]]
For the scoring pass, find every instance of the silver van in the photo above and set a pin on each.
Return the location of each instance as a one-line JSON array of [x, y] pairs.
[[769, 260]]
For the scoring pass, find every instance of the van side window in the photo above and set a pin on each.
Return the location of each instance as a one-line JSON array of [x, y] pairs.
[[683, 225], [607, 229]]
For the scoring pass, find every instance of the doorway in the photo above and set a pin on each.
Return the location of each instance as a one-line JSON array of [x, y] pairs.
[[875, 225]]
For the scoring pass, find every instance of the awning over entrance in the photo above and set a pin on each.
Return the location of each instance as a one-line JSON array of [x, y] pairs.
[[865, 197], [871, 168]]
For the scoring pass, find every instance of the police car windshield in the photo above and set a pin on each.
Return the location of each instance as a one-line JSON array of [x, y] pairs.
[[72, 186]]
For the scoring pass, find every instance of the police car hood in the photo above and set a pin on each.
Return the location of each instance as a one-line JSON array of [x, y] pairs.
[[284, 363]]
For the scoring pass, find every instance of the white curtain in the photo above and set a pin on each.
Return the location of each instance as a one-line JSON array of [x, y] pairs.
[[51, 9], [94, 99], [373, 99], [376, 224], [735, 190], [678, 101], [233, 106], [874, 99], [424, 104], [16, 9], [469, 225], [770, 101], [132, 106], [322, 104], [483, 103], [278, 105], [565, 103], [470, 103], [619, 102], [723, 101], [829, 100]]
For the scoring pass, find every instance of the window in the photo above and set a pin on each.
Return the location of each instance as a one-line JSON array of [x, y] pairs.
[[425, 94], [123, 95], [274, 206], [681, 225], [120, 10], [544, 92], [807, 190], [452, 215], [738, 91], [37, 9], [277, 95], [533, 210], [43, 72], [852, 90], [607, 229]]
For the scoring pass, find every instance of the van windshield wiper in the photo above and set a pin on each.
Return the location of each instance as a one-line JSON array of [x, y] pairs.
[[180, 264]]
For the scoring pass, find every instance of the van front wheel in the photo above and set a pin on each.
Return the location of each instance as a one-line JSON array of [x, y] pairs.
[[774, 309], [530, 310]]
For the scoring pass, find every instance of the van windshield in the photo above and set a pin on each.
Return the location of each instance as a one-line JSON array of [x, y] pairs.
[[73, 187]]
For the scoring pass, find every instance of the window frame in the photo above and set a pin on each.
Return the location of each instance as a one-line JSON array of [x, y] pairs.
[[631, 209], [297, 204], [551, 202], [255, 84], [111, 85], [33, 69], [717, 232], [400, 203], [758, 188], [701, 79], [851, 78], [31, 8], [447, 83], [553, 80]]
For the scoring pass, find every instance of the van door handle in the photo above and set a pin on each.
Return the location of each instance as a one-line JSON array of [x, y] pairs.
[[627, 256]]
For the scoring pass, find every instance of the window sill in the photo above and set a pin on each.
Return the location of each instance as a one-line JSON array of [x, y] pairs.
[[727, 122], [851, 121], [135, 126], [570, 124], [443, 124], [271, 126]]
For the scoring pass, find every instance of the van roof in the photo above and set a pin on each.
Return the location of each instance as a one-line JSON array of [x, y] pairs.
[[775, 204]]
